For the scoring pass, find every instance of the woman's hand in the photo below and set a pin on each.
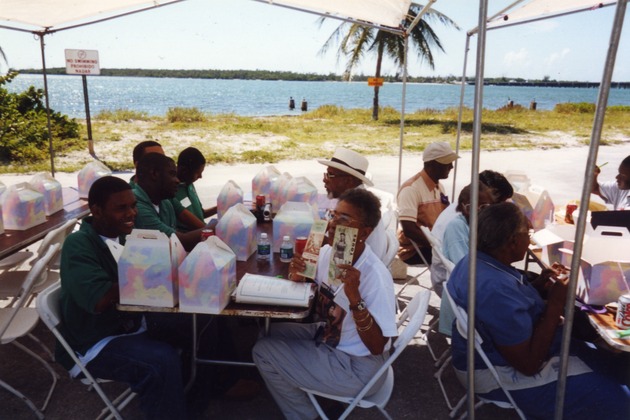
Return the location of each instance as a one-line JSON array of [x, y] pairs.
[[350, 277], [297, 265]]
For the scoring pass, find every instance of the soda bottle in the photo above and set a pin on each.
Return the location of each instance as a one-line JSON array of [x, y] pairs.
[[264, 248], [286, 249]]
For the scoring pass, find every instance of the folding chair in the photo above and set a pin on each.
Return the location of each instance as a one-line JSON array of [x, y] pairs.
[[11, 281], [462, 327], [49, 312], [414, 315], [19, 320], [392, 248]]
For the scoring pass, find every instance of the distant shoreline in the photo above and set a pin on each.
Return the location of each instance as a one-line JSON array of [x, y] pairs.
[[314, 77]]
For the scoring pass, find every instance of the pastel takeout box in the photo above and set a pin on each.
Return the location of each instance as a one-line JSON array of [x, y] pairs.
[[261, 183], [207, 277], [229, 195], [22, 207], [536, 204], [148, 269], [3, 188], [299, 189], [276, 190], [294, 220], [237, 228], [90, 173], [605, 266], [51, 189]]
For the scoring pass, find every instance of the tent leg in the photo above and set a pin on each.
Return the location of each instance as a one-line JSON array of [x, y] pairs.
[[50, 141], [402, 113]]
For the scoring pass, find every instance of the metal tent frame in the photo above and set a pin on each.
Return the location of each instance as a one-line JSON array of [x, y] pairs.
[[600, 111]]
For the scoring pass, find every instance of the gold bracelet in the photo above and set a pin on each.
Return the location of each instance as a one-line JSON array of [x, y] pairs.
[[367, 327], [362, 319]]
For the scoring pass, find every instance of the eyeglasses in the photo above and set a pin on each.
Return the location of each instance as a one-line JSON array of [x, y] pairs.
[[480, 207], [343, 219], [333, 176]]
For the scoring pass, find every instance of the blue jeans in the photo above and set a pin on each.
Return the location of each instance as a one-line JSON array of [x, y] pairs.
[[151, 368]]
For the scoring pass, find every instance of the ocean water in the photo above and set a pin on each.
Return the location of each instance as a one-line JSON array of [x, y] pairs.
[[260, 97]]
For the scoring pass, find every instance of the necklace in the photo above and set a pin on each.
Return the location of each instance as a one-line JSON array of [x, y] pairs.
[[518, 279]]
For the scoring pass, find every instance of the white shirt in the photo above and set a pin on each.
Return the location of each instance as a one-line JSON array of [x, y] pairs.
[[620, 199]]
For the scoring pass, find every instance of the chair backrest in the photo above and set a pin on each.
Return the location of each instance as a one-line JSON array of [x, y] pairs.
[[414, 315], [392, 247], [56, 236], [433, 241], [448, 264], [33, 276], [462, 327], [48, 306]]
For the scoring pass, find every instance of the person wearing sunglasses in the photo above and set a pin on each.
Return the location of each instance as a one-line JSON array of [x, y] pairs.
[[356, 318], [346, 170], [522, 332]]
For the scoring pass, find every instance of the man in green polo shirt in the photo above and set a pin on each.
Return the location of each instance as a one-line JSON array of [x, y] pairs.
[[155, 186], [112, 344]]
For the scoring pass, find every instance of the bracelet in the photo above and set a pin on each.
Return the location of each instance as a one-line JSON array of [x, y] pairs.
[[367, 327], [367, 315]]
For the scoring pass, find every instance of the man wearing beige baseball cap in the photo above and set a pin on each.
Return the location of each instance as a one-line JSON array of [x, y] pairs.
[[421, 199], [346, 170]]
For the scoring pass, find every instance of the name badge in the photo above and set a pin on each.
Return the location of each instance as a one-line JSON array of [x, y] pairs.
[[186, 202]]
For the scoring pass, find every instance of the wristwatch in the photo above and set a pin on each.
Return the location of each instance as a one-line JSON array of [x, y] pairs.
[[359, 306]]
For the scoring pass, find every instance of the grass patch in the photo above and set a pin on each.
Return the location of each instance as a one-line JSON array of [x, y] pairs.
[[228, 138], [119, 115]]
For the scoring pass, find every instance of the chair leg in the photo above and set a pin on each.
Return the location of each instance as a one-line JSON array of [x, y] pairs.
[[317, 406], [43, 346], [384, 413], [54, 374], [21, 396], [425, 337], [438, 376], [120, 402]]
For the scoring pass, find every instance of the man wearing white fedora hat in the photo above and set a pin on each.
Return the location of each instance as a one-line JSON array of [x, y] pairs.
[[421, 199], [346, 170]]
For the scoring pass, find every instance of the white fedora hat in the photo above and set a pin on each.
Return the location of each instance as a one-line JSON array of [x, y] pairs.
[[351, 163]]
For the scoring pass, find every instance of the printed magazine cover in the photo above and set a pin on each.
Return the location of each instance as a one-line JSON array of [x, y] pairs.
[[343, 252], [313, 244]]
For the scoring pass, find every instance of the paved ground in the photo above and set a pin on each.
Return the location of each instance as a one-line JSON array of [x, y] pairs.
[[416, 393]]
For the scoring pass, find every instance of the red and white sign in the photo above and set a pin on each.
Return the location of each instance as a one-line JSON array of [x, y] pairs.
[[82, 62]]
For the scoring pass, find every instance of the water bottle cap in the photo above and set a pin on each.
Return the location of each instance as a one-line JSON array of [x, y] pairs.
[[286, 238], [263, 235]]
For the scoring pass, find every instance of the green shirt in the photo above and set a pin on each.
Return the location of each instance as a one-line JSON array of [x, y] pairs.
[[174, 201], [149, 218], [193, 204], [88, 271]]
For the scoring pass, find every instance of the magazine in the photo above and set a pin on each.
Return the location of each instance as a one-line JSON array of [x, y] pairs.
[[343, 246], [254, 288], [313, 245]]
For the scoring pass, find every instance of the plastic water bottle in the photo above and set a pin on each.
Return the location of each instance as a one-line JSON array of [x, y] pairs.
[[286, 249], [264, 248]]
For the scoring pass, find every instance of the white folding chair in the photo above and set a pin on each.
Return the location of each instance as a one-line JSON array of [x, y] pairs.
[[11, 281], [49, 312], [414, 315], [462, 327], [392, 248], [19, 320]]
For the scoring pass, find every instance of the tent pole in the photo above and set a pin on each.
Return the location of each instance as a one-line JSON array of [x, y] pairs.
[[461, 111], [50, 141], [402, 112], [600, 112], [474, 204]]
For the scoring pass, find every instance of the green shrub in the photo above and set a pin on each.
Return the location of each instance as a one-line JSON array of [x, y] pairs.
[[119, 115], [575, 107], [185, 115], [23, 126]]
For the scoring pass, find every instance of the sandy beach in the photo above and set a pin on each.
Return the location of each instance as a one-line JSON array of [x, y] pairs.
[[560, 171]]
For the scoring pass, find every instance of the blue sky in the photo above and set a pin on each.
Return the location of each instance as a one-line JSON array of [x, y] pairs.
[[242, 34]]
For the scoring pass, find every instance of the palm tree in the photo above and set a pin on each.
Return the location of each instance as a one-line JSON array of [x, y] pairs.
[[355, 41]]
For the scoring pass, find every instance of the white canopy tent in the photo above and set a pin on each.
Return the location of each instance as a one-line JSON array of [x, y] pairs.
[[534, 10], [43, 17]]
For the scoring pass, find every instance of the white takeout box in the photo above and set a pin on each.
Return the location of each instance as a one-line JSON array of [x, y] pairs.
[[261, 183], [148, 269], [22, 207], [294, 220], [553, 240], [605, 266], [51, 189], [207, 277], [229, 195], [90, 173], [537, 206]]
